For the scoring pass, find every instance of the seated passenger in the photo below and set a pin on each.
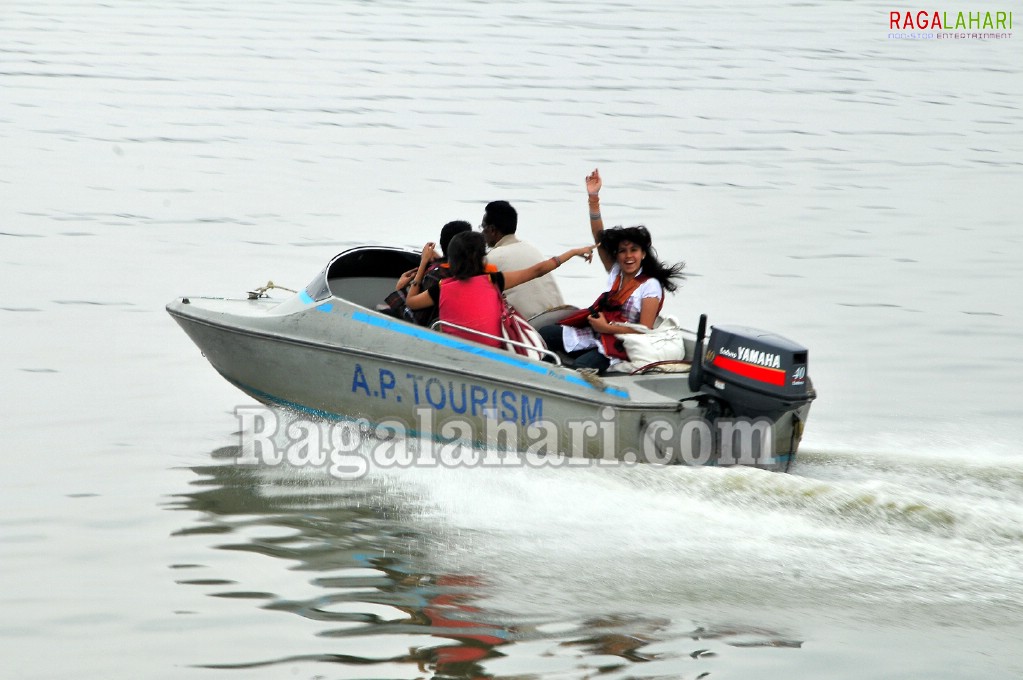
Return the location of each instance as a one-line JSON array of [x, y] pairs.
[[634, 293], [438, 270], [471, 296], [508, 252]]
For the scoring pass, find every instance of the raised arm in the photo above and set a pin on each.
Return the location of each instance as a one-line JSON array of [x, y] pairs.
[[520, 276], [417, 297], [593, 185]]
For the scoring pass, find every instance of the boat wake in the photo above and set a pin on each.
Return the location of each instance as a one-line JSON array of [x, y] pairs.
[[924, 535], [975, 501]]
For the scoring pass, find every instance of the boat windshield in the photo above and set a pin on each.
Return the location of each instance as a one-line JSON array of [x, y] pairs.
[[317, 288], [364, 276]]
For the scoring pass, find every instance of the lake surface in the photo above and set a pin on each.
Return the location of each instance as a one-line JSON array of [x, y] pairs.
[[856, 193]]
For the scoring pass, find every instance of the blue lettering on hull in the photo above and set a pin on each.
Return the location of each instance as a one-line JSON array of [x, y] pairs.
[[454, 396]]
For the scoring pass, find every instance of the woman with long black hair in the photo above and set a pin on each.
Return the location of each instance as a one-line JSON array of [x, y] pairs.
[[634, 293]]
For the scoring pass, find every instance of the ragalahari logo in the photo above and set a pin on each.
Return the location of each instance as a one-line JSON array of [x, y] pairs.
[[939, 25]]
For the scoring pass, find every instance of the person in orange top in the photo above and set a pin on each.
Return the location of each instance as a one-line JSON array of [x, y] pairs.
[[438, 270], [471, 297]]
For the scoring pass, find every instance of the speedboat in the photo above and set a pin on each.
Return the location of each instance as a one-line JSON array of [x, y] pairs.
[[330, 352]]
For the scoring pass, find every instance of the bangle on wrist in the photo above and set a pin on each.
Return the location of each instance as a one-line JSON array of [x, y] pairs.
[[557, 261], [594, 215]]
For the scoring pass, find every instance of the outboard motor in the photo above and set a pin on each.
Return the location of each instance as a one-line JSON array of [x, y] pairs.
[[754, 371]]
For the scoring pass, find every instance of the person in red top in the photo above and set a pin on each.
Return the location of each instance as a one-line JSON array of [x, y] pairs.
[[471, 297]]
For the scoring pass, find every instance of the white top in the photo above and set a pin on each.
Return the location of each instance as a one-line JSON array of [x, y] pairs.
[[533, 297], [576, 339]]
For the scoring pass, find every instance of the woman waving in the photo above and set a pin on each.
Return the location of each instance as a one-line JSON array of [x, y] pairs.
[[634, 292]]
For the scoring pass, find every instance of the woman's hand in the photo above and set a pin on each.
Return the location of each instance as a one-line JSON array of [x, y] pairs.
[[405, 279], [593, 185], [429, 254], [585, 252], [600, 324]]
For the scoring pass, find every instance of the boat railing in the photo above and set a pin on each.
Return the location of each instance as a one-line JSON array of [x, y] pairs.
[[441, 325]]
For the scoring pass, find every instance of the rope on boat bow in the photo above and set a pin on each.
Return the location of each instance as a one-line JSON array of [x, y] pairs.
[[590, 376], [261, 291]]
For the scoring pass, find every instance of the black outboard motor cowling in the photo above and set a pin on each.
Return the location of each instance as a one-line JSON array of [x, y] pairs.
[[755, 371]]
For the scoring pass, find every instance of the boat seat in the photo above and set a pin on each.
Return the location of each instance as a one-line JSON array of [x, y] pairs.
[[366, 291], [551, 316]]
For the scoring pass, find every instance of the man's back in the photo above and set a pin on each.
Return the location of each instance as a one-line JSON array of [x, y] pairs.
[[533, 297]]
